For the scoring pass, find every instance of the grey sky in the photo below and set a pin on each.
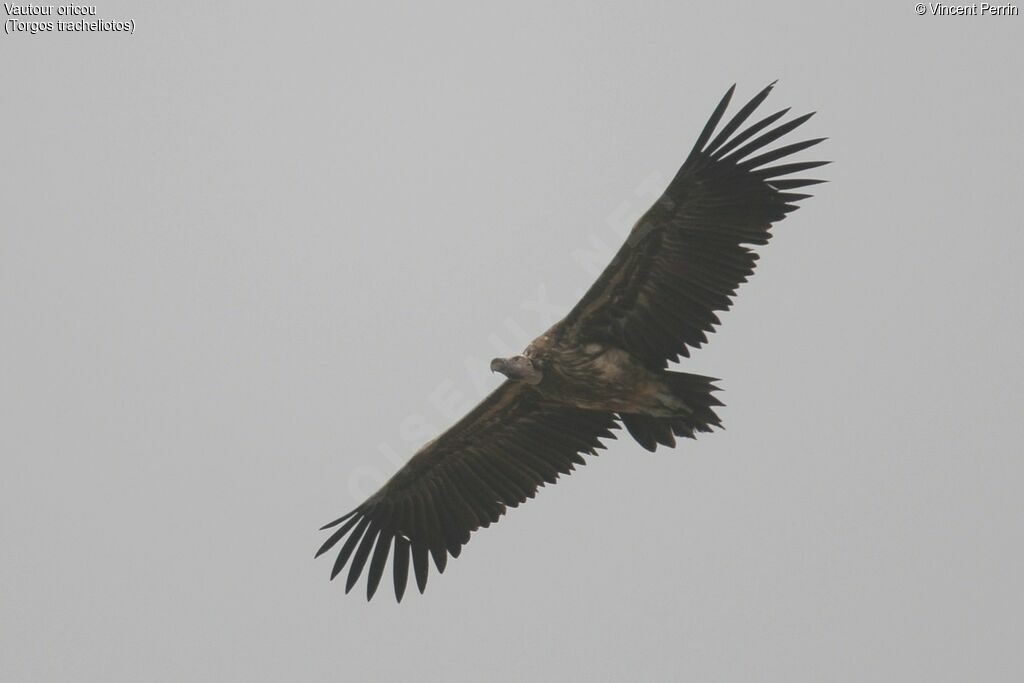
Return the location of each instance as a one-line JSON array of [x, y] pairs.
[[249, 257]]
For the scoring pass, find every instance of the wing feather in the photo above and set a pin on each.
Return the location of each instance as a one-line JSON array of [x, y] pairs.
[[377, 564], [494, 458], [401, 566], [421, 565], [685, 258]]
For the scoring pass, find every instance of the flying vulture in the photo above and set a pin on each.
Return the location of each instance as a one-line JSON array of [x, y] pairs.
[[604, 363]]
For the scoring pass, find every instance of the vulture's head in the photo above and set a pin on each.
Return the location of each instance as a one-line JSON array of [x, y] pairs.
[[518, 369]]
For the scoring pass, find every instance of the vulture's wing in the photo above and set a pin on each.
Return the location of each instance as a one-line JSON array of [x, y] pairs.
[[494, 457], [685, 257]]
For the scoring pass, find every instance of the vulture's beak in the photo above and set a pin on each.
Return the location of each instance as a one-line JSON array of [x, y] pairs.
[[498, 365]]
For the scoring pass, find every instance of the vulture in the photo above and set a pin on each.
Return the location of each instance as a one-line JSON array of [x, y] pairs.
[[604, 364]]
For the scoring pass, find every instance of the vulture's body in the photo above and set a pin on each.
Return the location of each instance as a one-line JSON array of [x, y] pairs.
[[606, 362]]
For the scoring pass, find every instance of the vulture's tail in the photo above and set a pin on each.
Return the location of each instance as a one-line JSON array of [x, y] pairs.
[[696, 392]]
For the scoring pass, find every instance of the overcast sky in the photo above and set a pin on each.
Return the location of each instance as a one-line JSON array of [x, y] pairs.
[[251, 257]]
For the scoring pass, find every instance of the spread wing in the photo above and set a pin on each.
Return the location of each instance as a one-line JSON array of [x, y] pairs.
[[685, 258], [493, 458]]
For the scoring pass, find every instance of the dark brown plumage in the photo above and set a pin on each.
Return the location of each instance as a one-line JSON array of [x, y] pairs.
[[605, 362]]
